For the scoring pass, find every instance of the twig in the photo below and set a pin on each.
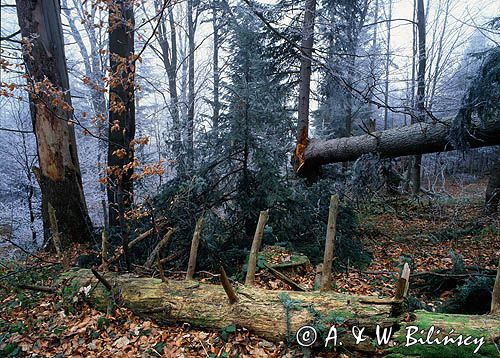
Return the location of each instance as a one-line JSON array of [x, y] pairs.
[[45, 289]]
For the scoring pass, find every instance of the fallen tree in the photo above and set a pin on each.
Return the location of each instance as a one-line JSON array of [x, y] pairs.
[[418, 138], [277, 315]]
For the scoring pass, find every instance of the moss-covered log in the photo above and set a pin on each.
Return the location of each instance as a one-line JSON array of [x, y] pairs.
[[274, 315]]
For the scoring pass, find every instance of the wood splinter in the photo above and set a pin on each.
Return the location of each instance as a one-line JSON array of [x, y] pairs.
[[231, 294]]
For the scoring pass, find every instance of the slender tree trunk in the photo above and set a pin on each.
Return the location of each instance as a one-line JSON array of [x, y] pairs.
[[50, 103], [387, 65], [216, 75], [416, 170], [169, 58], [191, 87], [373, 107], [305, 84], [121, 113]]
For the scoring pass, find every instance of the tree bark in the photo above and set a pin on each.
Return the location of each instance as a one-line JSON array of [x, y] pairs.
[[277, 315], [121, 130], [418, 138], [51, 113], [305, 84]]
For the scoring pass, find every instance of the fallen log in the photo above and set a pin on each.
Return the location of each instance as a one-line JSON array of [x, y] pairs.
[[278, 315], [418, 138]]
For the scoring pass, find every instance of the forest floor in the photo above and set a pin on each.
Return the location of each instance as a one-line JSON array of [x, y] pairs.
[[427, 233]]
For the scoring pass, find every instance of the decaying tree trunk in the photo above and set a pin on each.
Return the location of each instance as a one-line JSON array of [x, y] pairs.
[[51, 112], [418, 138], [274, 315]]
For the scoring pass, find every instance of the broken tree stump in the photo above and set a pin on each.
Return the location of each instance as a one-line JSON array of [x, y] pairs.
[[257, 239], [277, 315], [403, 283], [194, 249], [326, 276]]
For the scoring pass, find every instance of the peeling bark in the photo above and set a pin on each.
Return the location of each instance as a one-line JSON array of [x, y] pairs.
[[51, 112]]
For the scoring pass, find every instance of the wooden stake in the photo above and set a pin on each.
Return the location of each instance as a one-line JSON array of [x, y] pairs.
[[194, 249], [317, 278], [257, 239], [231, 294], [495, 297], [56, 238], [403, 283], [104, 250], [326, 276], [159, 246], [160, 267]]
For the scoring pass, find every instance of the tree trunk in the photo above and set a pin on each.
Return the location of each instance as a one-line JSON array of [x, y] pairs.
[[305, 84], [416, 170], [277, 315], [51, 112], [418, 138], [121, 130], [169, 57]]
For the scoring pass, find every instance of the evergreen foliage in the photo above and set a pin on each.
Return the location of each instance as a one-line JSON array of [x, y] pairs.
[[481, 102]]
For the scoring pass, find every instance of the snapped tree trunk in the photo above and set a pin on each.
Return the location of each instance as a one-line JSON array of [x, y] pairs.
[[277, 315], [305, 84], [418, 138], [51, 113], [121, 130]]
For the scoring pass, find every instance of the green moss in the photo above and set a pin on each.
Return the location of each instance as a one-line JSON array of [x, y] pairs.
[[462, 324]]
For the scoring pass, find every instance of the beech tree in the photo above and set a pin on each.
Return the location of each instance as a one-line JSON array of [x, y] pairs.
[[52, 115]]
